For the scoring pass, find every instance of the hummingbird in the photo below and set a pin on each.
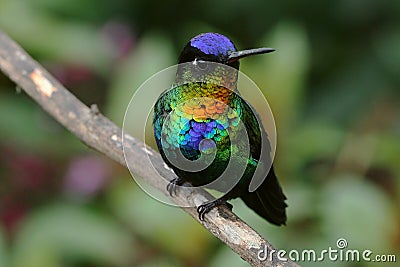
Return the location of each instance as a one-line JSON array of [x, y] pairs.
[[202, 122]]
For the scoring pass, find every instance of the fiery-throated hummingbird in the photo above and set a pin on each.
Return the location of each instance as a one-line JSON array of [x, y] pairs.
[[203, 121]]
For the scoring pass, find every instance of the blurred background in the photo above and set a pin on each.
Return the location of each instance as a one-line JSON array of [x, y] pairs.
[[333, 86]]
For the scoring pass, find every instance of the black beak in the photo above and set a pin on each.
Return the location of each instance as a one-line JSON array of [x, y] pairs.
[[234, 56]]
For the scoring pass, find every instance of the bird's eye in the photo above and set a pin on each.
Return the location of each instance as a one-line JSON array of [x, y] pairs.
[[201, 64]]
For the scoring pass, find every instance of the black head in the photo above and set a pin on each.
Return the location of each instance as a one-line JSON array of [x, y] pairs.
[[216, 47]]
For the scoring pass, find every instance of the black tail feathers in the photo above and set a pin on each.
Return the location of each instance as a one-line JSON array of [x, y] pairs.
[[268, 200]]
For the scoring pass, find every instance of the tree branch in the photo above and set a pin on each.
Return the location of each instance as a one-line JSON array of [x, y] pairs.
[[100, 133]]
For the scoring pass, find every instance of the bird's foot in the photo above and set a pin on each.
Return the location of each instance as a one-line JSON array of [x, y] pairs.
[[207, 207], [173, 184]]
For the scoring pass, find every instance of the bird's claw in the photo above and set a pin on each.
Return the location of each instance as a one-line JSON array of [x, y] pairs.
[[172, 186], [203, 209], [207, 207]]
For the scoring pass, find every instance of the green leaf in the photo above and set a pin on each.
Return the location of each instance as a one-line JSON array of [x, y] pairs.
[[54, 38], [226, 257], [3, 249], [281, 75], [167, 227], [152, 54], [27, 126], [354, 209], [66, 232]]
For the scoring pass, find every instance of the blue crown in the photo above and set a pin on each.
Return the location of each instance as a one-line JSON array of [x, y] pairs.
[[213, 44]]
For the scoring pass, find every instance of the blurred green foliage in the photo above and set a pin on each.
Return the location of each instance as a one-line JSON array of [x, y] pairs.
[[333, 86]]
